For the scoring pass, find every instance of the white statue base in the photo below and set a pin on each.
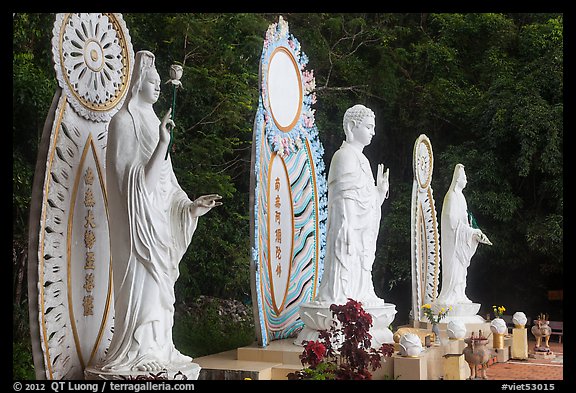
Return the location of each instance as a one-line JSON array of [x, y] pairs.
[[189, 372], [465, 312], [317, 316]]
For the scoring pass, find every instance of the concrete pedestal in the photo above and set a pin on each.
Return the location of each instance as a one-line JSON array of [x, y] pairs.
[[543, 355], [454, 346], [502, 354], [455, 367], [386, 371], [519, 348], [410, 368]]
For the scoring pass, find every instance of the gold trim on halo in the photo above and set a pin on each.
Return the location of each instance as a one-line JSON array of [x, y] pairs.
[[317, 218], [57, 123]]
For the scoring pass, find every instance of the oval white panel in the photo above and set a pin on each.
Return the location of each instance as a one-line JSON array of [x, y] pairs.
[[89, 289], [284, 89], [424, 163], [281, 230]]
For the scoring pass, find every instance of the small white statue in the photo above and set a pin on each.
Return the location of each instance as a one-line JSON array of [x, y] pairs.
[[151, 225], [459, 241], [456, 329], [519, 319], [354, 203], [498, 326], [410, 345]]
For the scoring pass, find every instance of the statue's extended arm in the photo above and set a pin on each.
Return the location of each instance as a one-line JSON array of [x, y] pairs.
[[204, 204], [482, 238], [152, 169]]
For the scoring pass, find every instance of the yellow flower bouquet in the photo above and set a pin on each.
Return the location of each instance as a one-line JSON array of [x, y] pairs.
[[498, 311], [433, 318]]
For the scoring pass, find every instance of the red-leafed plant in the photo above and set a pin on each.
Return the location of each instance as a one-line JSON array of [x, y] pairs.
[[344, 351]]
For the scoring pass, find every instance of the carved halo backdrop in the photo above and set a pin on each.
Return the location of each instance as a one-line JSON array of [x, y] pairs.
[[424, 227], [288, 189], [69, 272]]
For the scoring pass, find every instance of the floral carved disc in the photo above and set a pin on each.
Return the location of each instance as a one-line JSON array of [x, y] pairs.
[[93, 59], [423, 162]]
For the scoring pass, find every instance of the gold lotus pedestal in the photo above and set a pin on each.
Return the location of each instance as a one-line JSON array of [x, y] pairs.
[[498, 341]]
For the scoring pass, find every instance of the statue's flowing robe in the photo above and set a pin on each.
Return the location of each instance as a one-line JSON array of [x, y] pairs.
[[150, 230], [458, 247], [352, 230]]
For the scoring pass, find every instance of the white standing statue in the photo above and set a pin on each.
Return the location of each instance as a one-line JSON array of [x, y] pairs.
[[459, 240], [152, 223], [354, 203]]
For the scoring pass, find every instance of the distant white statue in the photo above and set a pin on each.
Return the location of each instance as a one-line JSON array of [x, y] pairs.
[[152, 221], [459, 242], [354, 202], [410, 345], [456, 329], [519, 319]]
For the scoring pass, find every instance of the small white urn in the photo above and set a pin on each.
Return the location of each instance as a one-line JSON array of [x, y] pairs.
[[519, 319], [410, 345], [456, 329], [499, 328]]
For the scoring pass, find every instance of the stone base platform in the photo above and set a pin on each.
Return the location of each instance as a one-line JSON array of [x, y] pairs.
[[317, 316], [542, 355], [272, 362], [281, 357]]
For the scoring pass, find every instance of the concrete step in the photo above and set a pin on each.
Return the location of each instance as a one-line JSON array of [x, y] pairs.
[[274, 361], [281, 372], [226, 366], [282, 351]]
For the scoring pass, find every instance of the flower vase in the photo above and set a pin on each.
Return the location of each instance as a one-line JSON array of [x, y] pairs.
[[436, 331]]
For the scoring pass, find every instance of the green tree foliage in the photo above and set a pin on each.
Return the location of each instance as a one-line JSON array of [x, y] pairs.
[[33, 86], [486, 88], [214, 114]]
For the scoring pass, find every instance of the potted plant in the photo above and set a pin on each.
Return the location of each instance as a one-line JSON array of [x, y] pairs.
[[344, 351]]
